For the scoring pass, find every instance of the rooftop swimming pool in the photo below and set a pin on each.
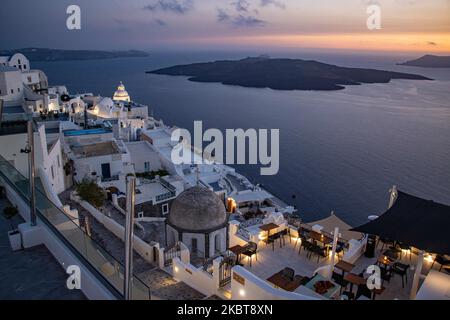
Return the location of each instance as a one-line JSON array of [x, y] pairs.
[[72, 133]]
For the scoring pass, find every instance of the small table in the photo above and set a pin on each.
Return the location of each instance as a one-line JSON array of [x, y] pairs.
[[319, 237], [384, 261], [354, 279], [344, 266], [268, 227], [237, 250], [331, 293], [281, 281]]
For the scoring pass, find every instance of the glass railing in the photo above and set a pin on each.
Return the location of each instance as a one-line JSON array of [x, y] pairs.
[[102, 264]]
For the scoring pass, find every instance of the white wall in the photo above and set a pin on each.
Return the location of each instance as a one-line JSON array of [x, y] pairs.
[[255, 288], [30, 78], [194, 277], [10, 150], [141, 152], [19, 61], [52, 161], [11, 80], [144, 249]]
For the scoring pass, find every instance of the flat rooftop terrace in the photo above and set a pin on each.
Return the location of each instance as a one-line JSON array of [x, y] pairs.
[[30, 274], [272, 261], [96, 149]]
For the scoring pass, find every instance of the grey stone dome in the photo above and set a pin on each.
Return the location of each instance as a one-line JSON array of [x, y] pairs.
[[197, 209]]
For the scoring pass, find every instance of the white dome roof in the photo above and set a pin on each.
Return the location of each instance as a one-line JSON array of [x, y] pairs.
[[121, 94], [106, 103], [105, 108]]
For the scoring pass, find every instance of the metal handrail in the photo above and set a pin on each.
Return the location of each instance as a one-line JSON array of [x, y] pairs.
[[115, 291]]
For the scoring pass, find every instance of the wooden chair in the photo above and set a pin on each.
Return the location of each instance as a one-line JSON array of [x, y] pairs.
[[444, 262], [250, 250], [402, 270]]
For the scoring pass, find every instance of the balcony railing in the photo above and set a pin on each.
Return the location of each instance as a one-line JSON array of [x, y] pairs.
[[91, 254]]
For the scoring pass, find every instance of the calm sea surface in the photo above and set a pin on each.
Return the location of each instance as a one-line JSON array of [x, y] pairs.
[[339, 150]]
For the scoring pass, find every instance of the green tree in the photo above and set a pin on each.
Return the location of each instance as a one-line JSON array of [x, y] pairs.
[[91, 192]]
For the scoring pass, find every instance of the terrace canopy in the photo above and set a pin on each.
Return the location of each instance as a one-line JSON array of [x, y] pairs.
[[334, 221], [417, 222]]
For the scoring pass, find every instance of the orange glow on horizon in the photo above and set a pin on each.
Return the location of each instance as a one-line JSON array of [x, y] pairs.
[[413, 42]]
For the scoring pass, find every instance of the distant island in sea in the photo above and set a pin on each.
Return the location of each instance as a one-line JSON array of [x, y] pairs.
[[429, 61], [282, 74], [45, 54]]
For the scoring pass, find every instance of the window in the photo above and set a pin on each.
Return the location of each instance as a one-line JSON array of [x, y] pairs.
[[59, 163], [165, 208], [24, 67], [140, 215], [12, 91], [18, 60], [146, 166], [29, 79], [53, 172], [18, 89]]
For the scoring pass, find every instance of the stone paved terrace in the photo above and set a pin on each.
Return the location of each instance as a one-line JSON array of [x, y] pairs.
[[161, 284], [31, 273], [270, 262]]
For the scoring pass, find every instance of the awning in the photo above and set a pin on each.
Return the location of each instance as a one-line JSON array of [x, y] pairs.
[[417, 222], [334, 221]]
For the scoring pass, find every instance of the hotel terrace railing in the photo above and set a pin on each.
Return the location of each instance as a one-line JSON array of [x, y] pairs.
[[94, 257]]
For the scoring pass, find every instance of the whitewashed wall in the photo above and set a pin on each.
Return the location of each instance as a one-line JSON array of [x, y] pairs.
[[144, 249], [254, 288]]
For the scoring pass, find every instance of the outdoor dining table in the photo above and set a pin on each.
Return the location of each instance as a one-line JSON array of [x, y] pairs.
[[384, 261], [281, 281], [344, 266], [354, 279], [237, 250], [316, 236], [269, 227]]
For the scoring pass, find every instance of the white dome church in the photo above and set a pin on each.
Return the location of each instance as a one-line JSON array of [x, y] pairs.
[[121, 94]]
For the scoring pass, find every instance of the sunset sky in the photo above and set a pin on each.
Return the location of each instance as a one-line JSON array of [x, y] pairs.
[[407, 25]]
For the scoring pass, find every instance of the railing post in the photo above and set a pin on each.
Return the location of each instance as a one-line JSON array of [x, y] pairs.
[[129, 230], [32, 172]]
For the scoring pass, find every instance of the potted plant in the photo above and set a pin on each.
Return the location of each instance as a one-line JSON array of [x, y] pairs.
[[15, 238]]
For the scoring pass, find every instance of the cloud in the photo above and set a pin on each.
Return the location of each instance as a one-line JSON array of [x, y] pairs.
[[161, 23], [222, 15], [247, 21], [239, 20], [245, 13], [175, 6], [241, 5], [276, 3]]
